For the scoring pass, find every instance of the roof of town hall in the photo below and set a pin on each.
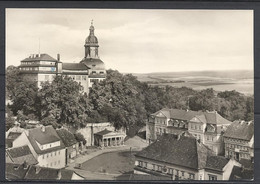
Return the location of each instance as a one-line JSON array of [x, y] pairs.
[[67, 137], [240, 130], [181, 150], [49, 135], [20, 154], [74, 66], [206, 117]]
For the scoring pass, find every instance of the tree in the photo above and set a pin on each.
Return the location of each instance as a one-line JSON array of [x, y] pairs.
[[61, 100], [80, 138]]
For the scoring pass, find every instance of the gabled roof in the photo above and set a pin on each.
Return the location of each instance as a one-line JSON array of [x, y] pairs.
[[13, 135], [74, 66], [67, 137], [44, 137], [240, 130], [20, 154], [238, 173], [188, 115], [42, 173], [15, 171], [216, 162], [182, 150], [104, 132], [41, 57]]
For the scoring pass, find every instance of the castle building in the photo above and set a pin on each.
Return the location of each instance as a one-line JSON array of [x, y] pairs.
[[208, 127], [42, 67]]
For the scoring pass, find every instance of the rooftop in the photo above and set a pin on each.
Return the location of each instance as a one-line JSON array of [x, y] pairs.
[[180, 150], [67, 137], [74, 66], [188, 115], [104, 132], [49, 135], [216, 162], [240, 130], [39, 57], [20, 154]]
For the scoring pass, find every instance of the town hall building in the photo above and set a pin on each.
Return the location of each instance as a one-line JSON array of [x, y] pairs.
[[42, 67]]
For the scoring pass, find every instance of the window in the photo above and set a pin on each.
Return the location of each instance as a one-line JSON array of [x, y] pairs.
[[200, 177], [140, 163], [101, 72], [55, 163], [47, 156], [59, 152], [177, 172], [84, 77], [55, 153], [51, 154], [78, 77], [212, 177], [94, 72], [47, 165], [43, 156], [58, 161], [159, 168], [46, 77], [192, 176], [170, 171], [145, 164], [182, 173], [164, 131], [154, 167], [50, 145]]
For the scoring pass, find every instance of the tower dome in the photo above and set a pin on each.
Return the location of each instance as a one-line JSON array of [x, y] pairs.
[[91, 39]]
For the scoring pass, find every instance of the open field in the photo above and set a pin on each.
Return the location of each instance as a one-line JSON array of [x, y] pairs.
[[241, 81]]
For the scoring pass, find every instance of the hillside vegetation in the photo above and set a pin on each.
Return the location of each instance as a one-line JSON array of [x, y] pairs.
[[120, 99]]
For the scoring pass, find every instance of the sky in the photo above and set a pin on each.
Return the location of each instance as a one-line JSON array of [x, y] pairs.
[[136, 41]]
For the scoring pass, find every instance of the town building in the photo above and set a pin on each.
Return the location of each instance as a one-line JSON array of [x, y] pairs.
[[45, 145], [239, 140], [12, 134], [182, 157], [32, 172], [208, 127], [71, 144], [106, 138], [91, 128], [19, 155], [42, 67]]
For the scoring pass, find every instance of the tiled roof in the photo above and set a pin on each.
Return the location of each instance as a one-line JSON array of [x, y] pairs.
[[103, 132], [42, 57], [74, 66], [247, 164], [48, 136], [238, 173], [67, 137], [66, 174], [216, 162], [205, 117], [42, 173], [15, 171], [14, 135], [95, 64], [240, 130], [20, 154], [184, 151]]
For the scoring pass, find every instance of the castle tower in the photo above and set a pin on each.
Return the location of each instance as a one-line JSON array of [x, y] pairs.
[[91, 44]]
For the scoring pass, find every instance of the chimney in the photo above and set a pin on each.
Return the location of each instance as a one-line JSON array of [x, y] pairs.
[[58, 57], [25, 165], [178, 136], [37, 169], [59, 174], [43, 128]]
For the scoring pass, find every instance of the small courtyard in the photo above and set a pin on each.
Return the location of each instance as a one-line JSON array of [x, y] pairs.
[[117, 162]]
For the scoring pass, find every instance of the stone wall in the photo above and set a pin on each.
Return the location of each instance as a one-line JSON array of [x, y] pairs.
[[92, 128]]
